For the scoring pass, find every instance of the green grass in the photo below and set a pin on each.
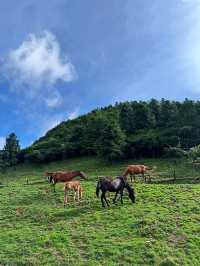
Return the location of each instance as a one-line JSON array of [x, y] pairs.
[[162, 228]]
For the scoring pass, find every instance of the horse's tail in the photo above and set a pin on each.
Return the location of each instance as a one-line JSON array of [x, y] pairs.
[[98, 188], [148, 167]]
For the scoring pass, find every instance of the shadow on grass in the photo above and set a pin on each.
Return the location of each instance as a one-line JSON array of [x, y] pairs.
[[3, 185], [88, 206]]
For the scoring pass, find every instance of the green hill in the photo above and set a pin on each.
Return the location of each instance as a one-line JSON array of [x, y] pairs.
[[126, 130], [161, 228]]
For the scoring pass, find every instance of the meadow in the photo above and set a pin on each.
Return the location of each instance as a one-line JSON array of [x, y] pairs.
[[161, 228]]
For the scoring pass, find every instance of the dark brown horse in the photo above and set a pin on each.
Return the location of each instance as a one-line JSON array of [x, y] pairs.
[[117, 185], [61, 176], [136, 169]]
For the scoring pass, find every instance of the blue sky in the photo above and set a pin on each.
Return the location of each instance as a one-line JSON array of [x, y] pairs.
[[62, 58]]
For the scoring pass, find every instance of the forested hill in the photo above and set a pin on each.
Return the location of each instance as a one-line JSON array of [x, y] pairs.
[[126, 130]]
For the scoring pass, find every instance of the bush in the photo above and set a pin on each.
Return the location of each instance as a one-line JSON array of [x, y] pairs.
[[174, 152], [194, 153]]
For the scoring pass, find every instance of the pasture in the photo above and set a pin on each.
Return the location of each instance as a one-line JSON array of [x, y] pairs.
[[161, 228]]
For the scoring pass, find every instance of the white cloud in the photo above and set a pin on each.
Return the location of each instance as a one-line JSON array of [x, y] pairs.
[[73, 114], [38, 61], [54, 100], [2, 142]]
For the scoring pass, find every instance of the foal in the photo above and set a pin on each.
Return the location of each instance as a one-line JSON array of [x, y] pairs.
[[76, 187], [116, 185]]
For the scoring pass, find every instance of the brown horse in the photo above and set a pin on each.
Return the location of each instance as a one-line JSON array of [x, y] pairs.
[[135, 169], [61, 176], [50, 174], [76, 187]]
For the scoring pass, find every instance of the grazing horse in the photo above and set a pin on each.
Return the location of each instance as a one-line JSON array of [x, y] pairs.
[[116, 185], [135, 169], [61, 176], [76, 187]]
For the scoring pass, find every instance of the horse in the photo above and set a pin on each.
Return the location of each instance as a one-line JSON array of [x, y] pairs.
[[116, 185], [135, 169], [50, 174], [61, 176], [76, 187]]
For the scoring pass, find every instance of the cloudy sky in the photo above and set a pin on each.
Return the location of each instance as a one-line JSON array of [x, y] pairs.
[[62, 58]]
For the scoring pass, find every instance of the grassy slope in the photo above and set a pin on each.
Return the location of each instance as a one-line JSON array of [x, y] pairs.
[[164, 224]]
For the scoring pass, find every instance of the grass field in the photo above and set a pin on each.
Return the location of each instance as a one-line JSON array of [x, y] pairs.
[[161, 228]]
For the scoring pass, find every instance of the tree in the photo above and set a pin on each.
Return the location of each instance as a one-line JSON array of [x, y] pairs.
[[126, 118], [11, 150], [141, 115], [154, 112], [111, 142]]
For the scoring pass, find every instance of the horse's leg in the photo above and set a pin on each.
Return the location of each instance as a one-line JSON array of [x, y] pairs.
[[144, 177], [114, 200], [81, 193], [78, 193], [65, 198], [106, 200], [54, 185], [121, 195], [74, 195], [102, 198]]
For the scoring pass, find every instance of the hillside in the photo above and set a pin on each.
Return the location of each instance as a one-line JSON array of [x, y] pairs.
[[126, 130], [161, 228]]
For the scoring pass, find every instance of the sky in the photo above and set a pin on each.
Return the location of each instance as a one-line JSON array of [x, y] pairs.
[[62, 58]]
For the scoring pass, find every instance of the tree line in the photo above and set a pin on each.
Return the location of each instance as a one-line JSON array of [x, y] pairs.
[[126, 130], [9, 155]]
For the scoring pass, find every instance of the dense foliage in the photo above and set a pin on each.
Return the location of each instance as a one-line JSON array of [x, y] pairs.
[[9, 156], [129, 130]]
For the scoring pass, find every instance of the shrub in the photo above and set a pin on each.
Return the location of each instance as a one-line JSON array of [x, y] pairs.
[[194, 153], [174, 152]]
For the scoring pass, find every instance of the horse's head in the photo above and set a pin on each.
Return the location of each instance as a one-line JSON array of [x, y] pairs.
[[83, 175], [49, 176], [131, 192]]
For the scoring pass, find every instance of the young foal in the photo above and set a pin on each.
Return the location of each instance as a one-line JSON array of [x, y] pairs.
[[76, 187], [116, 185]]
